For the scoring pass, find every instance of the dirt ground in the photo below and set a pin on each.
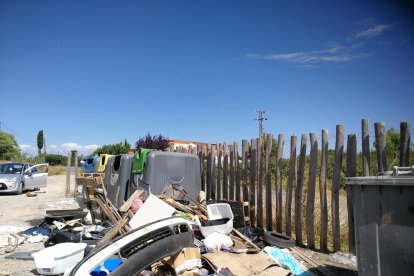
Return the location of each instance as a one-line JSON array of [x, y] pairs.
[[19, 212]]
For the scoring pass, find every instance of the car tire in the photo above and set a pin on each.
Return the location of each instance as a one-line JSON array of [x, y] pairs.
[[20, 188], [278, 239]]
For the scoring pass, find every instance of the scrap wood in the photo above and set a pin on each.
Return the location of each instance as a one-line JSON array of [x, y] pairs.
[[243, 237], [118, 228], [314, 264], [125, 207], [183, 208]]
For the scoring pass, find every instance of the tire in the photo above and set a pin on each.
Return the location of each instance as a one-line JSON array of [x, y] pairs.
[[278, 239], [20, 188], [36, 189]]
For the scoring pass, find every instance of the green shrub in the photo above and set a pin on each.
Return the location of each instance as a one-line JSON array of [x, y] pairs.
[[55, 159]]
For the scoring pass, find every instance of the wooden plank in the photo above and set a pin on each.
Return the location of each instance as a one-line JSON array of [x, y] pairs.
[[279, 170], [336, 181], [291, 184], [322, 192], [219, 173], [405, 129], [253, 172], [213, 171], [351, 171], [310, 200], [226, 174], [298, 190], [269, 203], [125, 207], [237, 170], [232, 180], [259, 183], [245, 147], [366, 153], [202, 173], [68, 174], [209, 174], [381, 146], [76, 164]]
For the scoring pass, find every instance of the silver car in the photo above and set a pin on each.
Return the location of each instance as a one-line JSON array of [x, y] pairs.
[[17, 177]]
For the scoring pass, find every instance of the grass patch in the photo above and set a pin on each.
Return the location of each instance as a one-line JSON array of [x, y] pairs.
[[57, 170]]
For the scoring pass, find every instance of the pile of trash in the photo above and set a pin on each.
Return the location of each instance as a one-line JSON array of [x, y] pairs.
[[151, 235]]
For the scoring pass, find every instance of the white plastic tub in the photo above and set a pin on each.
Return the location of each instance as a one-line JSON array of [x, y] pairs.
[[215, 212], [56, 259]]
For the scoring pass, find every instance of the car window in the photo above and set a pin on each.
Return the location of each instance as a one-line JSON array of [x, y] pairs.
[[11, 168]]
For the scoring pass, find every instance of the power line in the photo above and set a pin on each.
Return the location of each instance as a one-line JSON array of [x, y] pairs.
[[260, 119], [15, 134]]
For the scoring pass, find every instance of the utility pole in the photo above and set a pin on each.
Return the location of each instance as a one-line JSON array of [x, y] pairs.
[[44, 145], [0, 126], [260, 119]]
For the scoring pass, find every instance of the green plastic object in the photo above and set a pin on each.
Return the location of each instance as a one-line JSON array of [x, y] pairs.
[[139, 160]]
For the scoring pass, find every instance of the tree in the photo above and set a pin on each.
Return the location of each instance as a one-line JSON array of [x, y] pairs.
[[9, 149], [39, 142], [157, 142], [114, 149]]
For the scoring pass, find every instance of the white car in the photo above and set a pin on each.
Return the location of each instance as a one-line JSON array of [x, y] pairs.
[[17, 177]]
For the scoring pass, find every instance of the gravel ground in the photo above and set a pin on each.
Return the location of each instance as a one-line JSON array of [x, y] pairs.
[[20, 212]]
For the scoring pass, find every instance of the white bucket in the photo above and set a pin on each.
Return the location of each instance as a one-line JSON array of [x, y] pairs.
[[56, 259]]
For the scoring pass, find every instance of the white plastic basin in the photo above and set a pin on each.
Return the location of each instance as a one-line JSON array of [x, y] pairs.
[[56, 259]]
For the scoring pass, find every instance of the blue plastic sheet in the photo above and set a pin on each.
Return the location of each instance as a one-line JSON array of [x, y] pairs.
[[285, 259]]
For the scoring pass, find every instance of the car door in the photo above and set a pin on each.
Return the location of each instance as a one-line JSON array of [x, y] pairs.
[[37, 176], [29, 180]]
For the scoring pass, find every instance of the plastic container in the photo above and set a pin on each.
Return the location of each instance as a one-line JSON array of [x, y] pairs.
[[384, 224], [118, 178], [165, 168], [217, 214], [56, 259], [103, 160]]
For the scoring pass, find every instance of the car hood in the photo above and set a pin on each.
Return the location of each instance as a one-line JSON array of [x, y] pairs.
[[8, 176]]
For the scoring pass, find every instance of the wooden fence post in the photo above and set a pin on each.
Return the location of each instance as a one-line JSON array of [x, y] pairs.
[[209, 174], [213, 172], [245, 147], [291, 184], [351, 171], [339, 151], [381, 146], [279, 194], [68, 174], [310, 200], [201, 158], [366, 154], [76, 164], [231, 185], [298, 190], [253, 154], [269, 217], [259, 183], [405, 129], [219, 171], [237, 170], [226, 173], [322, 192]]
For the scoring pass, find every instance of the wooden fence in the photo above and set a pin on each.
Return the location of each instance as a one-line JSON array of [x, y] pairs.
[[278, 204]]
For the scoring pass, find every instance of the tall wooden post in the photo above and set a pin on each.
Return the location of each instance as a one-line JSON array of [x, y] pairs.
[[339, 150], [291, 184], [322, 192], [366, 155], [310, 200], [351, 171], [68, 174], [381, 146], [405, 138], [298, 190], [253, 155], [279, 194], [269, 217], [245, 147], [259, 183]]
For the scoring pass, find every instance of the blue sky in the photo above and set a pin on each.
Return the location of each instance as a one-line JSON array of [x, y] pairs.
[[96, 72]]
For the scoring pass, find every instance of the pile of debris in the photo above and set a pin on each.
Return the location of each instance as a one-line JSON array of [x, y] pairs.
[[151, 235]]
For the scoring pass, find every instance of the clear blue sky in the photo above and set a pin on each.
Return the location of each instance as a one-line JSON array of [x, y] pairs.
[[97, 72]]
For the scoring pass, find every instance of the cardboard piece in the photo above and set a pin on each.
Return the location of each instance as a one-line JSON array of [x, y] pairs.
[[245, 264], [152, 210], [187, 259]]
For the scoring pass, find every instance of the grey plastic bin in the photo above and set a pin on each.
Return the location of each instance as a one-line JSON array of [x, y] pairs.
[[384, 224], [118, 178], [164, 168]]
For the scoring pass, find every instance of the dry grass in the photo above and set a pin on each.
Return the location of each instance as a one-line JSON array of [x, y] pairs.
[[57, 170]]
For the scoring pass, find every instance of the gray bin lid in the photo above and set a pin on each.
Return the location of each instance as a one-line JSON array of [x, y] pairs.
[[381, 180]]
